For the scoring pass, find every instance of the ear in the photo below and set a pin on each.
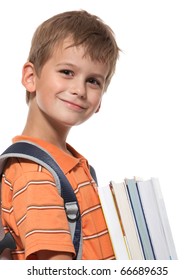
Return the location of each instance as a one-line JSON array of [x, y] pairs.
[[28, 77], [98, 108]]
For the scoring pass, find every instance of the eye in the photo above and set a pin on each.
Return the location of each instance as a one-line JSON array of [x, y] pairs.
[[67, 72], [94, 82]]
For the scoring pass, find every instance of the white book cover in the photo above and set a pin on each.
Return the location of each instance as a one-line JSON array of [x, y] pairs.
[[127, 219], [164, 218], [113, 223], [153, 219]]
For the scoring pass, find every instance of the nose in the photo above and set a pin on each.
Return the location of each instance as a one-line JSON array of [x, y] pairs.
[[78, 87]]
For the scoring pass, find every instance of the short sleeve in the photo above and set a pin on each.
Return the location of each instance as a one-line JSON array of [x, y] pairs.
[[39, 213]]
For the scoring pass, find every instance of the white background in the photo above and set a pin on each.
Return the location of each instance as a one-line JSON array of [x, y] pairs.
[[146, 124]]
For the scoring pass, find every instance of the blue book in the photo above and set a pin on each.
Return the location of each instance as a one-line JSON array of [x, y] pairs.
[[142, 228]]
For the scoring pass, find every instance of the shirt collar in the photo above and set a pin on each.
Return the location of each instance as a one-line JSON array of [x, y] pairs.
[[66, 161]]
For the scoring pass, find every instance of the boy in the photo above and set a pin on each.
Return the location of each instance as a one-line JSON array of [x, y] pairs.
[[70, 65]]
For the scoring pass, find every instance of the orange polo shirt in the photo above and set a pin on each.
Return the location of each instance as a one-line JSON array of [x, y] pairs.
[[33, 210]]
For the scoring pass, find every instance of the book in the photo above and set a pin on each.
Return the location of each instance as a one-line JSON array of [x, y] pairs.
[[137, 220], [164, 218], [153, 219], [128, 223], [113, 223], [140, 220]]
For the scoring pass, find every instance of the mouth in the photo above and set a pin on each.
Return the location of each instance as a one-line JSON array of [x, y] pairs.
[[73, 105]]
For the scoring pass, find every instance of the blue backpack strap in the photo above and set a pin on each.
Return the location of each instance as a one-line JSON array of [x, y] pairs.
[[93, 174], [37, 154]]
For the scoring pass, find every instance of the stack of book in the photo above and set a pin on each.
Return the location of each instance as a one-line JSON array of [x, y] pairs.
[[137, 220]]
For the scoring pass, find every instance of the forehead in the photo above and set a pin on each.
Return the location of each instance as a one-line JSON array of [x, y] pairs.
[[68, 51], [83, 49]]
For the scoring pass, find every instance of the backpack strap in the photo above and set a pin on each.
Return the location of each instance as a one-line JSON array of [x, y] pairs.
[[33, 152], [93, 174]]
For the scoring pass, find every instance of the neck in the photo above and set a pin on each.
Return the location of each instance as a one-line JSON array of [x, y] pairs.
[[46, 130]]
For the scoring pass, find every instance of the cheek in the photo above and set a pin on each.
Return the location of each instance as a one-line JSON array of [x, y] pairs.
[[95, 97], [46, 91], [96, 105], [45, 96], [48, 82]]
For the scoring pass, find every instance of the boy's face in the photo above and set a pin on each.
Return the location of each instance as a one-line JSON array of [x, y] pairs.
[[70, 86]]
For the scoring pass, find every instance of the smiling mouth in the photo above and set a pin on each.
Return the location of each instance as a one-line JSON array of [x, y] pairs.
[[73, 105]]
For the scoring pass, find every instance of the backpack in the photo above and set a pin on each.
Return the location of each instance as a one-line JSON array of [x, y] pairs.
[[31, 151]]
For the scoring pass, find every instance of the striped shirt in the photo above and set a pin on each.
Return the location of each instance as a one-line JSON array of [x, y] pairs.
[[33, 211]]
